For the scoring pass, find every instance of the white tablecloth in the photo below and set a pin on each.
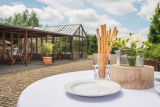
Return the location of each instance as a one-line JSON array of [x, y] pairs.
[[49, 92]]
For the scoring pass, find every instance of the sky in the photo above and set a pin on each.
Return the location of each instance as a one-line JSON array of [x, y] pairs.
[[127, 15]]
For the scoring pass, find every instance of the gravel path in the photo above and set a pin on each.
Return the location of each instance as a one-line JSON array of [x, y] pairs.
[[12, 84]]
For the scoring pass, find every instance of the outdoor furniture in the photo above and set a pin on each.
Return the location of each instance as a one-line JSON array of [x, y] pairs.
[[49, 92], [5, 58], [60, 55], [11, 60], [29, 58]]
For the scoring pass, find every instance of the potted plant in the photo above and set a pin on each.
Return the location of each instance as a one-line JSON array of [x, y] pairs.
[[134, 50], [47, 50], [151, 55]]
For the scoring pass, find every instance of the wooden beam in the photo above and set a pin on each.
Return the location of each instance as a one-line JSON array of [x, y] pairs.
[[11, 44], [18, 42], [25, 39], [36, 45], [3, 37], [53, 47]]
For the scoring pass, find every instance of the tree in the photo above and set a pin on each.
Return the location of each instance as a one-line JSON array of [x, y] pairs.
[[23, 19], [154, 34], [92, 44]]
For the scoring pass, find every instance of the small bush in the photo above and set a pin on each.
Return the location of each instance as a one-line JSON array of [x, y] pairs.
[[47, 49], [153, 53]]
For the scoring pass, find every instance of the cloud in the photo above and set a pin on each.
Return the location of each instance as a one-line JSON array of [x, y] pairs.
[[91, 20], [144, 32], [117, 7], [46, 15], [148, 9]]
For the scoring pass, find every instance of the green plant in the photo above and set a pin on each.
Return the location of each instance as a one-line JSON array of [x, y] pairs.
[[154, 32], [153, 53], [47, 49]]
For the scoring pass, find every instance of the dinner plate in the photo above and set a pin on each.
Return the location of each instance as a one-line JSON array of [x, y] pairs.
[[92, 88], [157, 75], [157, 87]]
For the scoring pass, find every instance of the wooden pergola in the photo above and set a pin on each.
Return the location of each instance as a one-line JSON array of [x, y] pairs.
[[38, 33]]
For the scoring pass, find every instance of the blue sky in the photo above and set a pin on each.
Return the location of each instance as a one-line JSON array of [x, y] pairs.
[[127, 15]]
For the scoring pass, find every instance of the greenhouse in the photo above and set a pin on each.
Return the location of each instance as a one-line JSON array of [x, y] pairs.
[[70, 41]]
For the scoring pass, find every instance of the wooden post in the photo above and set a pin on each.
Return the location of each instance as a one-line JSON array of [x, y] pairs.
[[36, 45], [31, 45], [82, 42], [18, 42], [3, 42], [41, 43], [11, 44], [59, 44], [53, 46], [25, 48], [79, 43], [65, 45], [46, 38]]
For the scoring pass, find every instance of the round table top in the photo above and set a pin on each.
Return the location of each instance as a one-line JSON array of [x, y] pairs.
[[49, 92]]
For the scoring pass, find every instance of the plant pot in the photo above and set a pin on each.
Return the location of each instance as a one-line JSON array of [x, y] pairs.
[[132, 58], [118, 53], [152, 63], [47, 60]]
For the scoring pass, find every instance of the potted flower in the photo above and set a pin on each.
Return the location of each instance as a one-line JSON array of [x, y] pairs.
[[47, 50], [134, 50], [120, 44]]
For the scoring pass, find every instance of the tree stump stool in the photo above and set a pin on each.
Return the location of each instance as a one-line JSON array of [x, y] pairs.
[[133, 77]]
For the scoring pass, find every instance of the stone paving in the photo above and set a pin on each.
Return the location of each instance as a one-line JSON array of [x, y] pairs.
[[12, 84]]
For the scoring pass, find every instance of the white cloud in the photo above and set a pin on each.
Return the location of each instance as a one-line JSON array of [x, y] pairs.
[[117, 7], [46, 15], [147, 9], [91, 20], [144, 32]]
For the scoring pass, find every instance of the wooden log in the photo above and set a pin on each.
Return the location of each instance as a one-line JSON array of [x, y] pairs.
[[133, 77]]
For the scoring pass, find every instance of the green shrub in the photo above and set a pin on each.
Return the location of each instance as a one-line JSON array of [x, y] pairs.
[[153, 53], [47, 49]]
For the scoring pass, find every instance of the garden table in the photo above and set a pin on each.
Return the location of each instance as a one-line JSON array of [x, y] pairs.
[[49, 92]]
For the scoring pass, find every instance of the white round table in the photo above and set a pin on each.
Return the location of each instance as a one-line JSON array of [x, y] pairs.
[[49, 92]]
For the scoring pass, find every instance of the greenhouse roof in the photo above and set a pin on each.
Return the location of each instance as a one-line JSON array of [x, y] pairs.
[[61, 29]]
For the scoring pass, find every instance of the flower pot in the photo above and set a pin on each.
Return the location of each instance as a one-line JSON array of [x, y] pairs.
[[47, 60], [152, 63], [118, 53], [132, 58]]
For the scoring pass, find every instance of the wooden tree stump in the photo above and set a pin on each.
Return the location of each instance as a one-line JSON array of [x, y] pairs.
[[133, 77]]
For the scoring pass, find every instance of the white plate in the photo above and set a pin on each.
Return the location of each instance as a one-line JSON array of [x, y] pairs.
[[157, 88], [157, 75], [92, 88]]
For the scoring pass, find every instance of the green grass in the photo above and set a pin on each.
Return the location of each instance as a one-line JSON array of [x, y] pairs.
[[90, 55]]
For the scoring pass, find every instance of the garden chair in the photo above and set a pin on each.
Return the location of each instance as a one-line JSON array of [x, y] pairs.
[[5, 58], [29, 58], [11, 60], [60, 56]]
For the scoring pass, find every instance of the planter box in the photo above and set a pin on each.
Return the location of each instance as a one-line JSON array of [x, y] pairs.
[[152, 63]]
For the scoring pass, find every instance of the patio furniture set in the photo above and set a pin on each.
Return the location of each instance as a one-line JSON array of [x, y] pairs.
[[16, 59]]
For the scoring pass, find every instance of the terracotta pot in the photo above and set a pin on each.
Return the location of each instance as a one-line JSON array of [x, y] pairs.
[[152, 63], [47, 60]]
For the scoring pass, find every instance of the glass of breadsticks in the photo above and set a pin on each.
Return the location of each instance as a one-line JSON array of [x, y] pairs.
[[105, 43]]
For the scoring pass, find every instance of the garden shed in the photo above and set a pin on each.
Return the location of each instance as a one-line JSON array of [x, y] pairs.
[[70, 41]]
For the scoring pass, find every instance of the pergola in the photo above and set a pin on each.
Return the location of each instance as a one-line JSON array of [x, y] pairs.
[[74, 35]]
